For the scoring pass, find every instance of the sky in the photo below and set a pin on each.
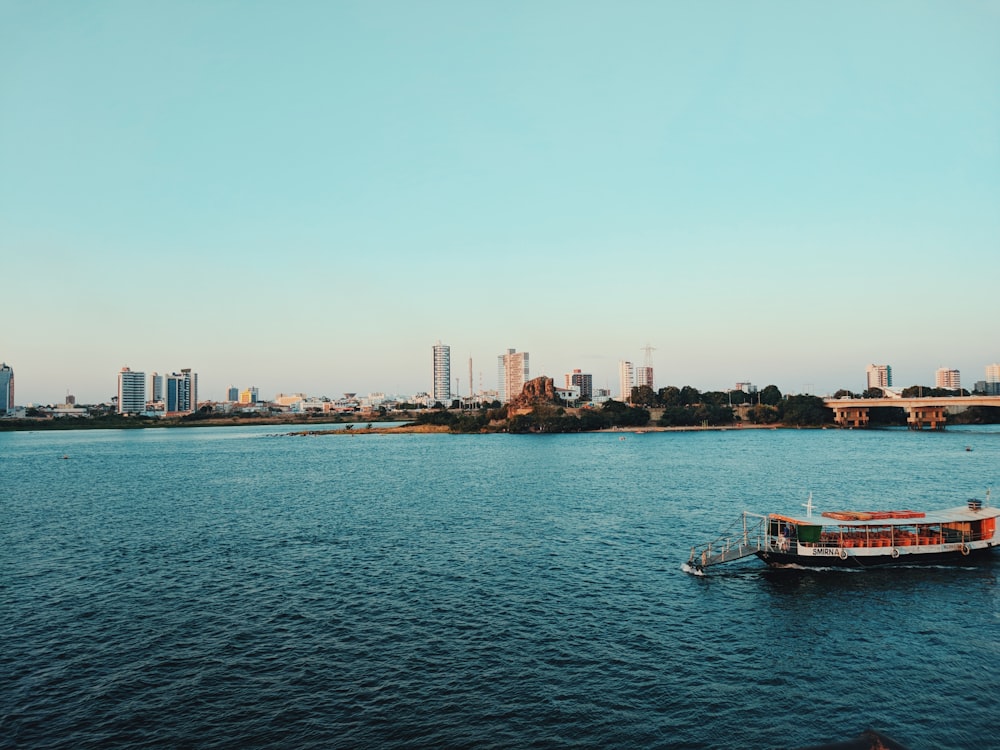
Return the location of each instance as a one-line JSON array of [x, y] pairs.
[[307, 196]]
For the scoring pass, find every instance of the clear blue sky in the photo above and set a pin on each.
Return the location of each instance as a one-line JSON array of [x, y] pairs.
[[306, 196]]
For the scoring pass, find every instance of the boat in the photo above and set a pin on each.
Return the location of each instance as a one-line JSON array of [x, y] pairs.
[[858, 539]]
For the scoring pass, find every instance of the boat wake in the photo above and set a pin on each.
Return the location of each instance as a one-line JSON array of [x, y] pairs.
[[816, 568]]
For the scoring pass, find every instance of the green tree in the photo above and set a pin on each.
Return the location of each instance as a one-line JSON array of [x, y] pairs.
[[806, 411], [770, 396], [763, 414], [670, 396], [689, 396], [643, 395], [716, 398], [591, 420], [613, 407], [677, 416]]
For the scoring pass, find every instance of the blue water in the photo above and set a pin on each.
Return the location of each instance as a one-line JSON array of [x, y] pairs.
[[234, 588]]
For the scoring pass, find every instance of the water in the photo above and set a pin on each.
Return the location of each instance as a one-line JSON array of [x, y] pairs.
[[232, 588]]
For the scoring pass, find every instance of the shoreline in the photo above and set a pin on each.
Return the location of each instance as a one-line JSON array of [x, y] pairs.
[[437, 429]]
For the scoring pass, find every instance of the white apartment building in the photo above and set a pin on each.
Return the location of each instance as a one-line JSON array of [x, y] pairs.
[[512, 374], [442, 374], [879, 376], [947, 378], [626, 380], [131, 392]]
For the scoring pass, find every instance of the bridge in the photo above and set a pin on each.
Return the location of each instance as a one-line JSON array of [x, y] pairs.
[[930, 412]]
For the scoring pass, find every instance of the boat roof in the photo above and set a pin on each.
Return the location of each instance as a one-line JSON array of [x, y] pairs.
[[962, 513]]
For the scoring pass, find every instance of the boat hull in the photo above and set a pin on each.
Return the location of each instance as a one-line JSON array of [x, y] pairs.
[[848, 558]]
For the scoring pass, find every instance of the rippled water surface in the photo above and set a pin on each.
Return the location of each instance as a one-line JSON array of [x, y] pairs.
[[231, 588]]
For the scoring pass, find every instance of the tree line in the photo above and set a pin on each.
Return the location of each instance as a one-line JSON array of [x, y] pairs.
[[678, 407]]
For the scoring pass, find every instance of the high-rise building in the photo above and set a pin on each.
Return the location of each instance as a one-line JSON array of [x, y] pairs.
[[442, 374], [584, 381], [181, 396], [644, 376], [947, 378], [990, 386], [233, 393], [6, 390], [626, 380], [879, 376], [155, 387], [248, 395], [131, 392], [512, 374]]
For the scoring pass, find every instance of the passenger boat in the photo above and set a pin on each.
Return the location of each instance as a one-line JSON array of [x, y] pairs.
[[858, 539]]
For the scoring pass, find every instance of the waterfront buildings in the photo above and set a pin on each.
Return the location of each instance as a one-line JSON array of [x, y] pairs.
[[155, 387], [233, 394], [131, 391], [249, 395], [626, 380], [583, 381], [570, 395], [6, 390], [947, 378], [990, 386], [442, 374], [644, 376], [512, 374], [181, 396], [879, 376]]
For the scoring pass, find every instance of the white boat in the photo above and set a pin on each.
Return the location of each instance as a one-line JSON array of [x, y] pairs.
[[859, 539]]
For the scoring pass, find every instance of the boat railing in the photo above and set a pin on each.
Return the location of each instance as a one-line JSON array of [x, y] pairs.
[[747, 537], [860, 537]]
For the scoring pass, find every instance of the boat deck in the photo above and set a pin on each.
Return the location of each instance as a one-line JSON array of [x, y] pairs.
[[877, 518]]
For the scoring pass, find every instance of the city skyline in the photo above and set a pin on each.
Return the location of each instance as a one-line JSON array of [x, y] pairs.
[[183, 386], [780, 193]]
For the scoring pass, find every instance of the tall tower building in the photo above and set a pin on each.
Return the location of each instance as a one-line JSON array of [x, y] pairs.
[[626, 379], [131, 392], [879, 376], [512, 374], [6, 390], [644, 374], [442, 374], [155, 387], [947, 378], [181, 392], [992, 373], [584, 381]]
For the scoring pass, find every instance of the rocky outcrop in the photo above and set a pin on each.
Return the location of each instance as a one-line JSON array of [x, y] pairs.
[[535, 392]]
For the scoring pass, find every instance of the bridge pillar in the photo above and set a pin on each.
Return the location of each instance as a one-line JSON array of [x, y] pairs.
[[851, 416], [933, 417]]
